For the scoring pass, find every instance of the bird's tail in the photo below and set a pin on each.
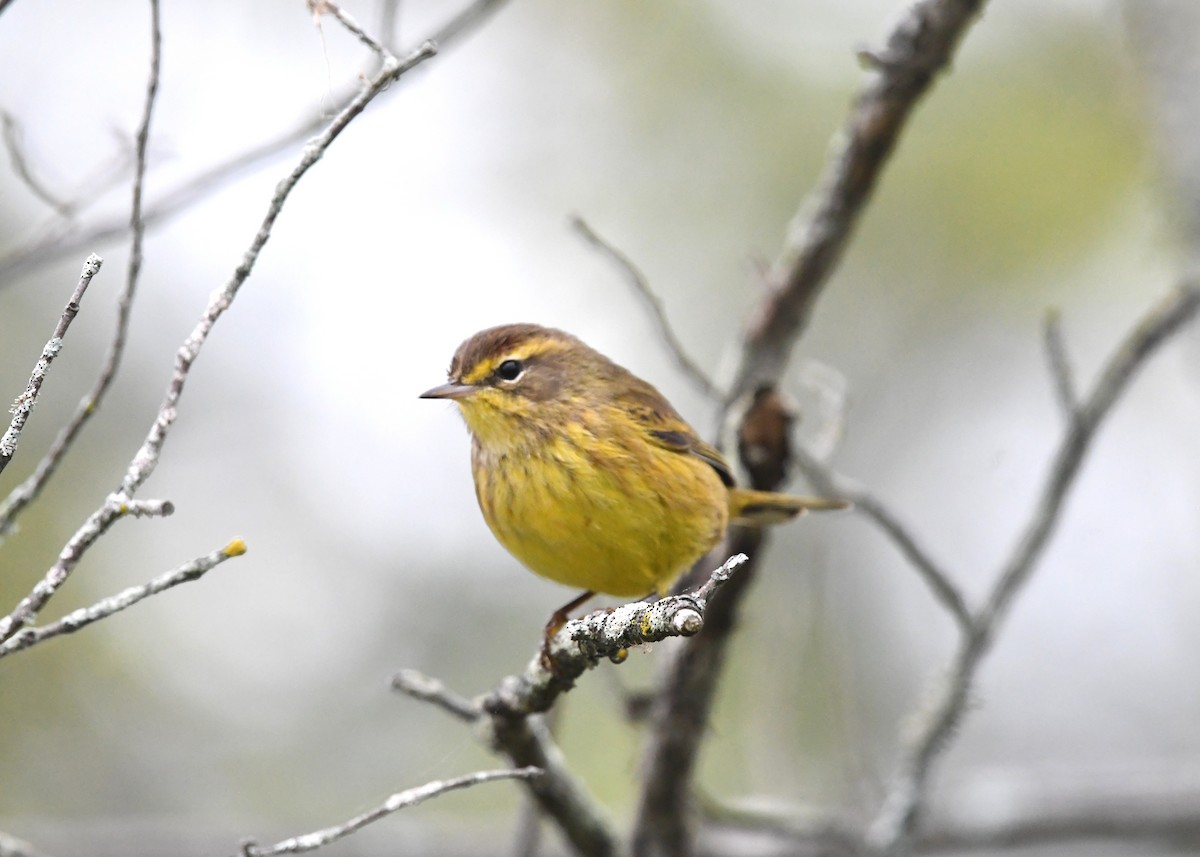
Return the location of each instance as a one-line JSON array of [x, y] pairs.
[[749, 508]]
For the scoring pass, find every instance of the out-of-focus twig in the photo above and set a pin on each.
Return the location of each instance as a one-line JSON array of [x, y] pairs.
[[1035, 813], [400, 800], [106, 607], [24, 404], [637, 280], [16, 155], [425, 688], [1060, 365], [891, 831], [866, 503]]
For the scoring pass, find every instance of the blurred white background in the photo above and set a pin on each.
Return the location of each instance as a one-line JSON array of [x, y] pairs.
[[257, 701]]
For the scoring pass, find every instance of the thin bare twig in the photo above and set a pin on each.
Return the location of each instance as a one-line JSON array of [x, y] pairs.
[[427, 689], [115, 507], [637, 280], [146, 459], [1060, 365], [1032, 816], [918, 49], [938, 579], [102, 609], [16, 155], [320, 7], [142, 465], [400, 800], [24, 404], [893, 826], [209, 181]]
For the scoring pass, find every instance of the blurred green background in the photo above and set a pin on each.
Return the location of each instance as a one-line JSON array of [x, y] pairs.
[[256, 702]]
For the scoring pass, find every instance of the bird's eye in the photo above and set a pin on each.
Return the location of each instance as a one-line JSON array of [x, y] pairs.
[[510, 370]]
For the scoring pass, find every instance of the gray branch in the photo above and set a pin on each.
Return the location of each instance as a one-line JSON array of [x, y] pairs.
[[20, 165], [115, 507], [637, 280], [400, 800], [582, 643], [24, 403], [918, 49], [505, 714], [938, 579], [106, 607], [1060, 365]]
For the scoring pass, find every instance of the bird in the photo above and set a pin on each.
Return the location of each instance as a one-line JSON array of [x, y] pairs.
[[586, 474]]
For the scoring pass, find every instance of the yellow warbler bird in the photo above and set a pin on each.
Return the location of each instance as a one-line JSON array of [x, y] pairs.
[[585, 473]]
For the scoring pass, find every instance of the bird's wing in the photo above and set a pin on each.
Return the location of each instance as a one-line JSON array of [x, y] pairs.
[[664, 427]]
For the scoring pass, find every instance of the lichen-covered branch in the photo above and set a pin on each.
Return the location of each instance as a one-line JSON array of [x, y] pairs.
[[105, 607], [24, 403], [582, 643], [400, 800], [507, 715], [114, 508]]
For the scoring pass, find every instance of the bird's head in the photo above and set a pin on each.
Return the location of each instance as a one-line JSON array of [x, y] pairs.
[[517, 382]]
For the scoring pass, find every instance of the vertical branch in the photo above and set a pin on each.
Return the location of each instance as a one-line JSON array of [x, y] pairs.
[[920, 46], [679, 718], [918, 49]]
